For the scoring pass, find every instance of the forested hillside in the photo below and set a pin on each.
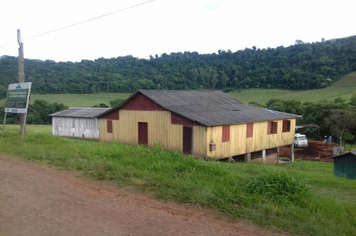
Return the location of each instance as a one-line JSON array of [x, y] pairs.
[[298, 67]]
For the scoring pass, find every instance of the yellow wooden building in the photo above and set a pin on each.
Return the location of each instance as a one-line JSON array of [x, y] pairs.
[[207, 124]]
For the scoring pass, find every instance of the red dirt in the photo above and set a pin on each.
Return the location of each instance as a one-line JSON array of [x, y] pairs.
[[38, 200], [316, 151]]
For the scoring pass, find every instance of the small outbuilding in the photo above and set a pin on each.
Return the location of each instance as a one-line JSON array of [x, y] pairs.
[[77, 122], [345, 164]]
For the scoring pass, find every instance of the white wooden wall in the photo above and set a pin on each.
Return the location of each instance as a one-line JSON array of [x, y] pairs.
[[75, 127]]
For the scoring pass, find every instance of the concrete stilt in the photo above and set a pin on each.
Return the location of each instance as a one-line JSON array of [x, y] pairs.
[[277, 155], [264, 155], [292, 152], [247, 157]]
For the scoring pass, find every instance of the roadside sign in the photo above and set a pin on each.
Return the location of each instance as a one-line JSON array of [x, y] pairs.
[[17, 98]]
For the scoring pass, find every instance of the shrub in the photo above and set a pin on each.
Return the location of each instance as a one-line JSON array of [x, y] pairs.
[[279, 186]]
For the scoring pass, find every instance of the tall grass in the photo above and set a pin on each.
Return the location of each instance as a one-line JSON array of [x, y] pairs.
[[302, 198]]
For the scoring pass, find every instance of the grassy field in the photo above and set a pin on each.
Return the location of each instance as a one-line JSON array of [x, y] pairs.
[[302, 198], [343, 88], [78, 100]]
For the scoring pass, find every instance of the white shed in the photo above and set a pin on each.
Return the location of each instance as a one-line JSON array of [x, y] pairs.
[[77, 122]]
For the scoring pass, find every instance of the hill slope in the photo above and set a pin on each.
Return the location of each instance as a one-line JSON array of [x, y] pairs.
[[299, 67], [344, 88]]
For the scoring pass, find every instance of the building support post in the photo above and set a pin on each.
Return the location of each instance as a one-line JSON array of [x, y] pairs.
[[277, 155], [264, 155], [247, 157], [291, 149]]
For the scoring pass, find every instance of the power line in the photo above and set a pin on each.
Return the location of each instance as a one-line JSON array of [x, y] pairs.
[[82, 22]]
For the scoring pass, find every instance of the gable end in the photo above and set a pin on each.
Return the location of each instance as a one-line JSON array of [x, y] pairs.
[[141, 103]]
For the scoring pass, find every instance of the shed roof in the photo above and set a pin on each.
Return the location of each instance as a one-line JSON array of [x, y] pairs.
[[80, 112], [353, 152], [208, 108]]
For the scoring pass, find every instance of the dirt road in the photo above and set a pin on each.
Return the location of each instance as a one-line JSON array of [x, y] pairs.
[[38, 200]]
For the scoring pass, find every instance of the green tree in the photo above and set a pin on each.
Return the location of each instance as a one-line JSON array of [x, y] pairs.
[[3, 92], [353, 99], [289, 106], [39, 112], [115, 102], [340, 121], [102, 105]]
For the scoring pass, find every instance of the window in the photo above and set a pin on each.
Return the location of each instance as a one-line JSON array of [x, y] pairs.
[[286, 126], [109, 126], [272, 127], [249, 132], [226, 133]]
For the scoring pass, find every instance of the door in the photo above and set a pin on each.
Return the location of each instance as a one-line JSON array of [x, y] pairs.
[[142, 133], [187, 140]]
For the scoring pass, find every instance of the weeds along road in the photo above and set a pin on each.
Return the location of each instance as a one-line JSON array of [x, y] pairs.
[[38, 200]]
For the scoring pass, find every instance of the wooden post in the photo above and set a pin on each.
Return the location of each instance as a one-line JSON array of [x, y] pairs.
[[21, 59], [23, 127], [21, 80], [3, 125]]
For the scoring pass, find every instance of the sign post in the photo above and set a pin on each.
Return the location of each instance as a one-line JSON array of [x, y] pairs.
[[17, 100], [21, 75]]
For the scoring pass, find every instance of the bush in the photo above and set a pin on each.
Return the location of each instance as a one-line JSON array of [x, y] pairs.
[[279, 186], [227, 90]]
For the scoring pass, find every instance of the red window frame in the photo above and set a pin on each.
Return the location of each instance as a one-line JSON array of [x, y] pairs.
[[286, 126], [109, 126], [249, 130], [272, 127], [226, 133]]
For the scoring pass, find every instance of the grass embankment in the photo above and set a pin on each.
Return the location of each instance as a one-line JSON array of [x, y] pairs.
[[302, 198], [344, 88]]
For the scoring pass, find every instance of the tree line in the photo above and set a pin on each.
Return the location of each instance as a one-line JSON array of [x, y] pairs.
[[335, 118], [299, 67], [40, 110]]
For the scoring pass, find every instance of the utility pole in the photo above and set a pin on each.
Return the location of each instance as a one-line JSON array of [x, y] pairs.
[[21, 80]]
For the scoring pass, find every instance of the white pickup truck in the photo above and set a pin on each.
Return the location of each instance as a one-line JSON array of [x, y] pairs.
[[300, 140]]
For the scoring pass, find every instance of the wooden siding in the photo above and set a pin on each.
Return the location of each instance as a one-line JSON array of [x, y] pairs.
[[75, 127], [200, 144], [104, 136], [179, 120], [170, 136], [160, 130], [141, 103], [114, 115], [239, 144]]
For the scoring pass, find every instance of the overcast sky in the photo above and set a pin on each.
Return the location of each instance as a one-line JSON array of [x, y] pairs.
[[165, 26]]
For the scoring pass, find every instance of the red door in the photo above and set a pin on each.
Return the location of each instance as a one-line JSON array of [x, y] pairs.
[[187, 140], [142, 133]]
